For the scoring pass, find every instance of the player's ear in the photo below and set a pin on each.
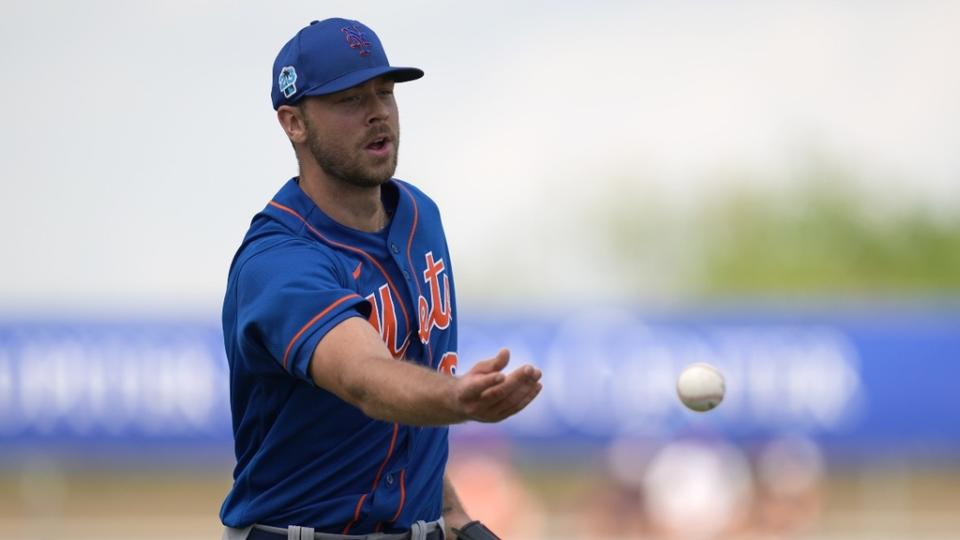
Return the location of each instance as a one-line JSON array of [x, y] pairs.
[[293, 124]]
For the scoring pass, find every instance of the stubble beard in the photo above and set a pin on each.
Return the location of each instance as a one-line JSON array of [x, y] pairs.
[[348, 167]]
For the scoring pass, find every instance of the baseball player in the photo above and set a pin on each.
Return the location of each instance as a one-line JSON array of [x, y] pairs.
[[340, 322]]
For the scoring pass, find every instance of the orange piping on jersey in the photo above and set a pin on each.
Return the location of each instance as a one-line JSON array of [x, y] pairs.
[[393, 442], [413, 228], [416, 279], [373, 261], [376, 480], [320, 315], [403, 495], [356, 513]]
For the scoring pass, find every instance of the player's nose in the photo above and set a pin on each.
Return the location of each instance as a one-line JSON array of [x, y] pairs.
[[377, 112]]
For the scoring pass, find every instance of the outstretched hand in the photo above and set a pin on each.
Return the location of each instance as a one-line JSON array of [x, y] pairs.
[[486, 394]]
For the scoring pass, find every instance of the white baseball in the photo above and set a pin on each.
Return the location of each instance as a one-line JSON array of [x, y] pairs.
[[701, 387]]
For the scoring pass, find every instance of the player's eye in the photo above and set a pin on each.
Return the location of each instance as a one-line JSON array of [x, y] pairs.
[[349, 99]]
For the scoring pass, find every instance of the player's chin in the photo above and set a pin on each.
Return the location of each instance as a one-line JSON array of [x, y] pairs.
[[373, 177], [381, 169]]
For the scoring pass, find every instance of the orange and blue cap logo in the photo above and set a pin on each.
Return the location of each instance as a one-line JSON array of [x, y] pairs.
[[356, 40]]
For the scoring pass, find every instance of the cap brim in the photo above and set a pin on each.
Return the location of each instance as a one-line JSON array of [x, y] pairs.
[[398, 74]]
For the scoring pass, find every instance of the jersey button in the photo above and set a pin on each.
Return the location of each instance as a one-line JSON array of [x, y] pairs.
[[406, 275], [389, 479], [394, 248]]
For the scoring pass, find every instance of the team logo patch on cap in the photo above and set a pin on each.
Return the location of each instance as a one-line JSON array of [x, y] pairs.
[[355, 39], [288, 81]]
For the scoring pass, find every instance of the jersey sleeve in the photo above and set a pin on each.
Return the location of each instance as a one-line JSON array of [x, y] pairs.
[[288, 297]]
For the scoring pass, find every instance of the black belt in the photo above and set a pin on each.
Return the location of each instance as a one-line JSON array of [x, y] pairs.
[[258, 533]]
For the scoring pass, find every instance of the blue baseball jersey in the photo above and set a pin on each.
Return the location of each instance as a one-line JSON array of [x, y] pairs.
[[304, 456]]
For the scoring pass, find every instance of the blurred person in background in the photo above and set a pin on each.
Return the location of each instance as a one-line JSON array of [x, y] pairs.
[[694, 489], [491, 485], [685, 489], [789, 486]]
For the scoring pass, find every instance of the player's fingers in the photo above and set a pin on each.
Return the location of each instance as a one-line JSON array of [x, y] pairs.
[[497, 393], [496, 410], [497, 363], [528, 399], [515, 403], [473, 385], [526, 375]]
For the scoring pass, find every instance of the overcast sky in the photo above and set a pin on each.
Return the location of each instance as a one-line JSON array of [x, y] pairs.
[[138, 137]]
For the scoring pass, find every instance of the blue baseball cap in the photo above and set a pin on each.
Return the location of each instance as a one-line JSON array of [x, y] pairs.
[[329, 56]]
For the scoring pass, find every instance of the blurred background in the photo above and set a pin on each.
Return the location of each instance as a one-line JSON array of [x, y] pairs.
[[627, 188]]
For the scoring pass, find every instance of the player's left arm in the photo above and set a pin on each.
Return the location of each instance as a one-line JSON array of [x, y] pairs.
[[457, 524], [454, 516]]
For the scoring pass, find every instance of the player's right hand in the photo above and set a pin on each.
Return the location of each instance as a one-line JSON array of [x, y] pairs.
[[486, 394]]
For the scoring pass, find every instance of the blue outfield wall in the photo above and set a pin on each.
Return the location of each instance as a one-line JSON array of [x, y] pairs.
[[869, 383]]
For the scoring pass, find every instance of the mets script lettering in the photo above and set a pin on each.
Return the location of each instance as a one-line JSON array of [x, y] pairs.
[[436, 312], [384, 320]]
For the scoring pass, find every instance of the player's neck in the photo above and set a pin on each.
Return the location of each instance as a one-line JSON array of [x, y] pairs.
[[352, 206]]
